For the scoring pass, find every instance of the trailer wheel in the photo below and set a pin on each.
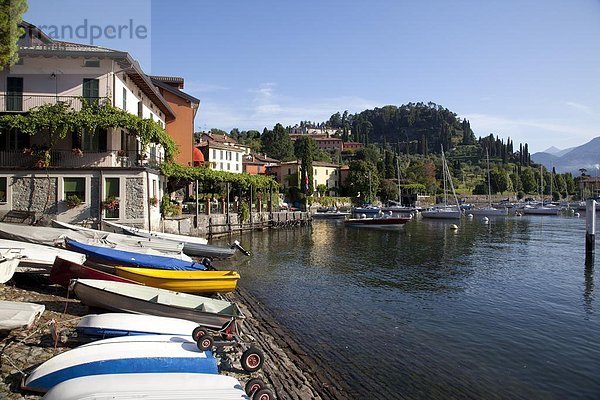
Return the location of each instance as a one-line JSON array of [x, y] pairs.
[[204, 343], [263, 394], [252, 359], [198, 332], [254, 385]]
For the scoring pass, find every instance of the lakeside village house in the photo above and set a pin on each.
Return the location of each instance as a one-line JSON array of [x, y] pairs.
[[111, 164]]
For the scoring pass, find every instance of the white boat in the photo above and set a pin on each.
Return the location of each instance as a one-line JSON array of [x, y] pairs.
[[151, 386], [445, 211], [162, 235], [123, 355], [36, 258], [548, 209], [121, 242], [123, 324], [192, 245], [8, 266], [19, 314], [138, 299], [330, 214]]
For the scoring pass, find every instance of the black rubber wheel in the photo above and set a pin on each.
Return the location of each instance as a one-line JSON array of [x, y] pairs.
[[263, 394], [205, 343], [198, 332], [252, 359], [254, 385]]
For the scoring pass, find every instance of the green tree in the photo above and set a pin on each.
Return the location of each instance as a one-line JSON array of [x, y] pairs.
[[11, 15], [369, 154], [528, 180], [363, 180], [322, 155], [277, 143], [498, 181], [388, 190], [304, 149]]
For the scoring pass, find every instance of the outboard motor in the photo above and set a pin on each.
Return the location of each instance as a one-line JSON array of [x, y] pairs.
[[236, 244], [207, 262]]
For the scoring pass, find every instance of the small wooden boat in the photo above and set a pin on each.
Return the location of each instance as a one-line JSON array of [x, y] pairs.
[[193, 246], [114, 257], [123, 324], [171, 386], [8, 266], [19, 314], [36, 258], [64, 270], [138, 299], [123, 355], [183, 281]]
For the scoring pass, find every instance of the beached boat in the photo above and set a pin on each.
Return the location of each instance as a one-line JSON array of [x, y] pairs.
[[385, 221], [138, 299], [171, 386], [8, 266], [116, 239], [36, 258], [193, 246], [64, 270], [124, 324], [18, 314], [108, 256], [123, 355], [183, 281]]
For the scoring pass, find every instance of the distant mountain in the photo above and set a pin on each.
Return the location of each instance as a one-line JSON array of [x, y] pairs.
[[557, 152], [571, 160]]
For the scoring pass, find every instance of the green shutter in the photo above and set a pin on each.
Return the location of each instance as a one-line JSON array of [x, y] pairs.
[[112, 187]]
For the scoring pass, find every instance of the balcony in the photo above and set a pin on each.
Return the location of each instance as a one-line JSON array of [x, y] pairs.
[[74, 159], [19, 103]]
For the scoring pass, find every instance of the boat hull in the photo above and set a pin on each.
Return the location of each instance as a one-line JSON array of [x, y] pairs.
[[137, 299], [439, 214], [8, 266], [490, 212], [122, 324], [135, 354], [183, 281], [64, 270], [377, 222], [172, 386], [541, 211], [19, 314]]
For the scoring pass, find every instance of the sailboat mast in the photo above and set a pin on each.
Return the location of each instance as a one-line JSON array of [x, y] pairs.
[[542, 184], [398, 173], [487, 153], [444, 177]]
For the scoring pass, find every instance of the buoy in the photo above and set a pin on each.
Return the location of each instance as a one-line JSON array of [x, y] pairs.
[[453, 227], [486, 220], [469, 215], [577, 215]]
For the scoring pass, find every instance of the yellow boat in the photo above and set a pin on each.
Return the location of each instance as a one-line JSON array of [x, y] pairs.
[[182, 281]]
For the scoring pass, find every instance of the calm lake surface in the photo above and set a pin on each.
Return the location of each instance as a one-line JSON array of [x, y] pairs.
[[506, 310]]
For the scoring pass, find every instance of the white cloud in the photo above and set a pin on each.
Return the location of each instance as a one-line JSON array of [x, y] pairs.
[[580, 107]]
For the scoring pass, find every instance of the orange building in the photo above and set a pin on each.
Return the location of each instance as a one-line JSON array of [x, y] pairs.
[[256, 164], [185, 107]]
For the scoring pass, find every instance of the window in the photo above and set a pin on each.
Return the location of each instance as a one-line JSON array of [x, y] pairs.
[[112, 191], [3, 185], [154, 192], [221, 166], [14, 92], [13, 139], [237, 156], [214, 154], [237, 167], [91, 90], [74, 186], [140, 109], [228, 167], [124, 99], [91, 63], [221, 154]]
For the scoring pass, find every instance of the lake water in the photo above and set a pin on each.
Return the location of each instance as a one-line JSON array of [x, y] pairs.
[[506, 310]]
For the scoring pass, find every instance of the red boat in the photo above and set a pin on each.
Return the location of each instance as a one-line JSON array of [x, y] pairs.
[[64, 270]]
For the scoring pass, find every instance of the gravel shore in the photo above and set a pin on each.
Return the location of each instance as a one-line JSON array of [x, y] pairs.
[[288, 370]]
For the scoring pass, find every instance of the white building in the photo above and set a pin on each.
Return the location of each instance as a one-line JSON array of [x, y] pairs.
[[94, 166], [222, 153]]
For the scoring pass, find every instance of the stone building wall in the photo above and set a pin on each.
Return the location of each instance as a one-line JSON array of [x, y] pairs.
[[134, 198], [31, 194]]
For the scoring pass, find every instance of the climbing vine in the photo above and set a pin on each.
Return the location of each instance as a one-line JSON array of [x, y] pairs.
[[59, 119], [208, 177]]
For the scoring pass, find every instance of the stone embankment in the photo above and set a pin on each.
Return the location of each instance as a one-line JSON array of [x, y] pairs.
[[288, 370]]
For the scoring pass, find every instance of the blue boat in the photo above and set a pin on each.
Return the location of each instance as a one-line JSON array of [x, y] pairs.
[[109, 256], [123, 355]]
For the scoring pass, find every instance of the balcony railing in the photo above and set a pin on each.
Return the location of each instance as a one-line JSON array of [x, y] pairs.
[[76, 159], [16, 103]]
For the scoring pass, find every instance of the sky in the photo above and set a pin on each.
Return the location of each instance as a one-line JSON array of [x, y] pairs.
[[524, 69]]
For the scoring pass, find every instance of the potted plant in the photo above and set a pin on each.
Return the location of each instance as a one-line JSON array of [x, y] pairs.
[[77, 152], [72, 201], [153, 201], [111, 203], [121, 153]]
